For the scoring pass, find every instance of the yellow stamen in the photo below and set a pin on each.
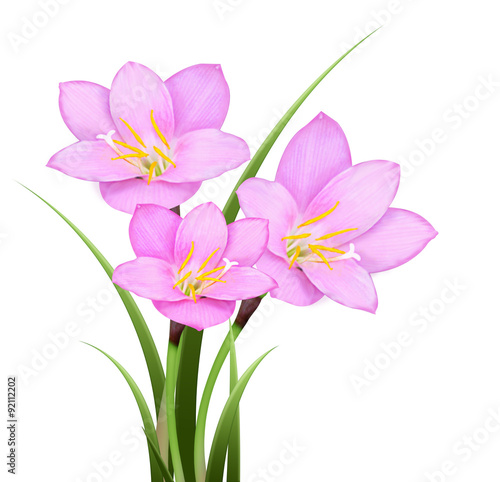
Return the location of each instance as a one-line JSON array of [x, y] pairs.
[[193, 292], [207, 260], [184, 278], [212, 271], [297, 236], [325, 248], [295, 256], [210, 279], [320, 254], [151, 172], [127, 155], [187, 259], [157, 129], [331, 235], [158, 151], [318, 218], [137, 137], [132, 148]]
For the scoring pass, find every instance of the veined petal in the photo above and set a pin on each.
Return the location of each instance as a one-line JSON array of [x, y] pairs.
[[241, 284], [125, 195], [206, 312], [150, 278], [270, 200], [85, 110], [152, 232], [396, 238], [91, 161], [247, 240], [206, 153], [346, 283], [294, 286], [135, 92], [200, 97], [314, 156]]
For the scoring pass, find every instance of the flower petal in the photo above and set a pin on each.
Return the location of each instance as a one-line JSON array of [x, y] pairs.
[[205, 313], [314, 156], [270, 200], [205, 154], [152, 231], [293, 285], [135, 92], [346, 283], [398, 237], [200, 97], [91, 161], [206, 228], [363, 193], [150, 278], [85, 110], [241, 284], [247, 240], [125, 195]]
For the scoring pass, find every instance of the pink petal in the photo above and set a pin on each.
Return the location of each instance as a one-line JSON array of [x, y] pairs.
[[398, 237], [240, 284], [205, 154], [346, 283], [152, 231], [84, 108], [205, 313], [270, 200], [314, 156], [135, 92], [364, 193], [206, 227], [92, 161], [293, 285], [247, 240], [200, 96], [125, 195], [150, 278]]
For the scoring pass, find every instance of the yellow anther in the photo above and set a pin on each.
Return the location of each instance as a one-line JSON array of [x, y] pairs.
[[193, 292], [137, 137], [295, 256], [158, 151], [127, 155], [207, 260], [297, 236], [320, 254], [325, 248], [157, 129], [184, 278], [187, 259], [132, 148], [331, 235], [212, 271], [151, 171], [200, 278], [318, 218]]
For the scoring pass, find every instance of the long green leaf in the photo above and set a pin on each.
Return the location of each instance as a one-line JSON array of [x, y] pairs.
[[147, 420], [146, 340], [217, 458], [233, 449], [159, 459], [232, 206]]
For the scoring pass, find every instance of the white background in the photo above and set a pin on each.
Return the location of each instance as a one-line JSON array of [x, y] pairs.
[[423, 72]]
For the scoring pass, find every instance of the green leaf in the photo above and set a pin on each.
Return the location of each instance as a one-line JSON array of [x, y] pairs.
[[233, 449], [157, 455], [147, 420], [217, 458], [232, 206], [146, 340]]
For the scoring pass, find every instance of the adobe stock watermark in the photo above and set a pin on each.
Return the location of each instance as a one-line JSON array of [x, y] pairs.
[[465, 448], [419, 322], [453, 118], [223, 7], [33, 24]]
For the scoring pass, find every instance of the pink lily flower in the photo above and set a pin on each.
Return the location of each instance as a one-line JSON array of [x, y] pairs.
[[194, 269], [149, 141], [330, 224]]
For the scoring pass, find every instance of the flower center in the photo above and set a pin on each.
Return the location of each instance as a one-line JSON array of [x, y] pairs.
[[153, 163], [300, 250], [192, 284]]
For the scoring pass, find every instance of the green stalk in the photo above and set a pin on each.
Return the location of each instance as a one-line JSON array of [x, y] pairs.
[[233, 455]]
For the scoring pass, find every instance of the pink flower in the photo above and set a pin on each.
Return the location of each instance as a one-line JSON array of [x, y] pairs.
[[330, 224], [149, 141], [194, 269]]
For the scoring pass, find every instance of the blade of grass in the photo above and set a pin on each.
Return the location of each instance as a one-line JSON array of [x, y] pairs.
[[233, 449]]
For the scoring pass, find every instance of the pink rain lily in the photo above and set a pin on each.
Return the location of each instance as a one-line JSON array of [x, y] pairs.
[[194, 269], [330, 224], [149, 141]]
